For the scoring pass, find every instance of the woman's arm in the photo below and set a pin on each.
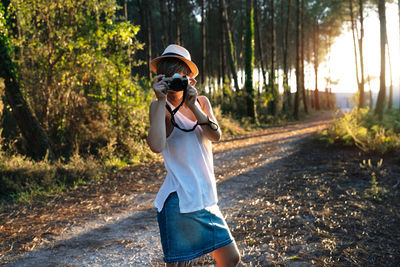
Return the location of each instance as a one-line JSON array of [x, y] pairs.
[[156, 138], [201, 116], [210, 133]]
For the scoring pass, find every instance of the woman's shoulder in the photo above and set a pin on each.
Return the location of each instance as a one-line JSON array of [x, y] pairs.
[[204, 102], [153, 103]]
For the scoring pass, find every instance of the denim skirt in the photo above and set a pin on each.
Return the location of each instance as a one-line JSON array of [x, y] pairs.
[[186, 236]]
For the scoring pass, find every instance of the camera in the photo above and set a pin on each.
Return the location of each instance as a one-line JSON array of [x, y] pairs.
[[176, 82]]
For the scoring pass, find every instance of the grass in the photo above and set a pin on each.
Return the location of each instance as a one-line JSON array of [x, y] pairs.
[[23, 179], [361, 128]]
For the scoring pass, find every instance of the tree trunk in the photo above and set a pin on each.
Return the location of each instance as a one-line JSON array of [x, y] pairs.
[[316, 64], [259, 44], [368, 78], [210, 59], [390, 102], [243, 20], [272, 84], [222, 53], [303, 88], [170, 4], [298, 88], [229, 46], [361, 101], [125, 9], [380, 103], [163, 14], [179, 39], [125, 4], [148, 20], [371, 100], [203, 44], [353, 29], [249, 60], [287, 102], [37, 140]]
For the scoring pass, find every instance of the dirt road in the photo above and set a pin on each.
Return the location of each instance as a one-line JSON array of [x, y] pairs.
[[247, 170]]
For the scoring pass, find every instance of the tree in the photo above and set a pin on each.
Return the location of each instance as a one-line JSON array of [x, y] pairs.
[[259, 47], [222, 57], [380, 103], [37, 140], [229, 46], [303, 89], [273, 104], [179, 38], [358, 56], [203, 42], [298, 81], [81, 89], [316, 63], [390, 102], [163, 15], [249, 60], [287, 104], [361, 101], [148, 20]]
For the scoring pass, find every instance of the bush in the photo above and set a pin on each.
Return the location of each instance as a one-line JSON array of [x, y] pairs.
[[364, 130], [22, 179], [81, 90], [228, 125]]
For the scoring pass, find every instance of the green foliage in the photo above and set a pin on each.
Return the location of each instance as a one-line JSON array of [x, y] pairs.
[[364, 130], [81, 89], [375, 192]]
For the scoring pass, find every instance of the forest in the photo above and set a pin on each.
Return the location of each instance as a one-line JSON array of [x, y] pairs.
[[76, 87], [91, 87]]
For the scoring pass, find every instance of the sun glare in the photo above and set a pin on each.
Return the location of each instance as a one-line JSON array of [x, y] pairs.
[[341, 65]]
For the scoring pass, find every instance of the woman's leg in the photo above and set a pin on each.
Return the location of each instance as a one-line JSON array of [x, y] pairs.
[[227, 256]]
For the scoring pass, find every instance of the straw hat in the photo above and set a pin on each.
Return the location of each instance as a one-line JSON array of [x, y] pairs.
[[179, 52]]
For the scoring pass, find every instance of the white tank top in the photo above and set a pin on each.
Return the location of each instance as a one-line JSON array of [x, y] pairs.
[[190, 169]]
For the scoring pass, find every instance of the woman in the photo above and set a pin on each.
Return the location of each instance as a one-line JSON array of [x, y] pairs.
[[182, 127]]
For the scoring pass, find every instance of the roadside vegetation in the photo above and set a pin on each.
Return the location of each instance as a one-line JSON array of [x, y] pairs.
[[376, 138], [363, 129]]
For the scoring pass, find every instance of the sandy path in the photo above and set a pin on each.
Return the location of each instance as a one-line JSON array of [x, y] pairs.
[[131, 238]]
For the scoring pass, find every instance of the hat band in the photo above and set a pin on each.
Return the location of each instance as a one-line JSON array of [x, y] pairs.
[[172, 54]]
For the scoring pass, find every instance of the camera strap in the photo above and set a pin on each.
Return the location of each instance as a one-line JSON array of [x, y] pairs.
[[173, 112]]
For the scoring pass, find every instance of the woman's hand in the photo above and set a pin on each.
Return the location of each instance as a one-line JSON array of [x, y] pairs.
[[191, 94], [160, 88]]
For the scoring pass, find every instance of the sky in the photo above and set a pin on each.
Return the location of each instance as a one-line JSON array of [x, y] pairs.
[[342, 62]]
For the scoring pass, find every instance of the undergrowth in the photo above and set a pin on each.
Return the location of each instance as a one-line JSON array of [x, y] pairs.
[[363, 129], [23, 179], [228, 125], [375, 192]]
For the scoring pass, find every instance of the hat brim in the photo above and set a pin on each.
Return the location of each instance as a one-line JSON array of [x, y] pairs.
[[193, 68]]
